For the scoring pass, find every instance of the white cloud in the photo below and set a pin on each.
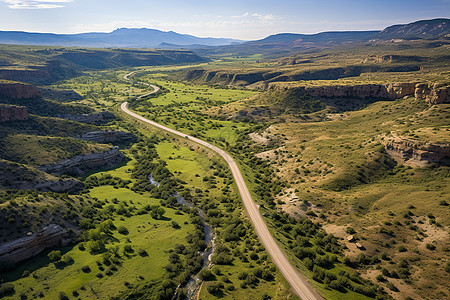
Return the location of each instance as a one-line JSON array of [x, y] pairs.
[[35, 4]]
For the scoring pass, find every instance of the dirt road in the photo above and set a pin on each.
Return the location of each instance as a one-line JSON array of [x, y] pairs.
[[301, 287]]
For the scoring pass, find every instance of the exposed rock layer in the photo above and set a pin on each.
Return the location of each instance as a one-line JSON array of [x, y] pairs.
[[416, 153], [13, 113], [108, 136], [433, 93], [16, 90], [81, 164], [30, 246]]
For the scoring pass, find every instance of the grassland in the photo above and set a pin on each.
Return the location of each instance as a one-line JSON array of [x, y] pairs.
[[335, 169]]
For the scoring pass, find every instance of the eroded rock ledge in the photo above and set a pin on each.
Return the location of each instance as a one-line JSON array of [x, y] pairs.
[[81, 164], [416, 153], [27, 247], [108, 136], [10, 113], [431, 93], [16, 90]]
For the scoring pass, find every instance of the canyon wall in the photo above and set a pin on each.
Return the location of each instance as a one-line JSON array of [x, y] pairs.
[[17, 90], [108, 136], [10, 113], [34, 244], [81, 164], [416, 153], [433, 93]]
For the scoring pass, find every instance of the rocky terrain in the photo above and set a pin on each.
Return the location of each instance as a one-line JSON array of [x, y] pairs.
[[33, 244], [18, 176], [433, 93], [81, 164], [17, 90], [261, 78], [10, 113], [108, 136], [416, 153]]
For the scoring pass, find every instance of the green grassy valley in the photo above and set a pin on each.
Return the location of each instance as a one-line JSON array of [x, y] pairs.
[[344, 147]]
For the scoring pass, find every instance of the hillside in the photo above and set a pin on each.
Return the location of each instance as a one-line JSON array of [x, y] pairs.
[[425, 29], [284, 44], [44, 65]]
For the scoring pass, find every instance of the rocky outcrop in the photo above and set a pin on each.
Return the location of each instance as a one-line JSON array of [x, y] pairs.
[[98, 118], [392, 58], [433, 93], [81, 164], [70, 186], [108, 136], [376, 91], [16, 90], [416, 153], [10, 113], [60, 95], [18, 176], [30, 246]]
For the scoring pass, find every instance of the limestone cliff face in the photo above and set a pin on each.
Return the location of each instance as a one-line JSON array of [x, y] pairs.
[[386, 91], [433, 93], [30, 246], [416, 153], [16, 90], [108, 136], [10, 113], [81, 164]]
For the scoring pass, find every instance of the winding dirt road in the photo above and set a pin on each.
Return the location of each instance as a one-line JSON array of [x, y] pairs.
[[300, 285]]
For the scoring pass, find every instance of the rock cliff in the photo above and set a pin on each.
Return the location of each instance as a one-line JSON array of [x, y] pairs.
[[416, 153], [386, 91], [433, 93], [30, 246], [18, 176], [81, 164], [108, 136], [16, 90], [13, 113]]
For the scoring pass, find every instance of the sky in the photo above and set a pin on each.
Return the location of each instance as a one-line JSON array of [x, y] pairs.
[[239, 19]]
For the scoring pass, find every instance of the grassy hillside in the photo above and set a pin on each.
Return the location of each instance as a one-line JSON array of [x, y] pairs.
[[338, 174]]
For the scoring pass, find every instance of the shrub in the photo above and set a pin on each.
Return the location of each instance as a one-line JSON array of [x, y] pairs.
[[430, 246], [86, 269], [142, 252], [380, 277], [63, 296], [55, 256], [122, 230], [6, 289], [215, 287]]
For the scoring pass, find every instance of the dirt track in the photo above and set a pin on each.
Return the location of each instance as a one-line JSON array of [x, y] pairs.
[[300, 285]]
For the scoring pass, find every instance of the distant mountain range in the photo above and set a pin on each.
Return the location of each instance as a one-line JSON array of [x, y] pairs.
[[152, 38], [122, 37]]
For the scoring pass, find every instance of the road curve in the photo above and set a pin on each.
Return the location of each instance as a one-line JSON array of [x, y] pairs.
[[301, 287]]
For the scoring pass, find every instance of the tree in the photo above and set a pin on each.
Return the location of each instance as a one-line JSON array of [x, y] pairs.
[[55, 256]]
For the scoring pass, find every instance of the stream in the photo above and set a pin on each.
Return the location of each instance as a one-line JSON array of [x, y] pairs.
[[193, 285]]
